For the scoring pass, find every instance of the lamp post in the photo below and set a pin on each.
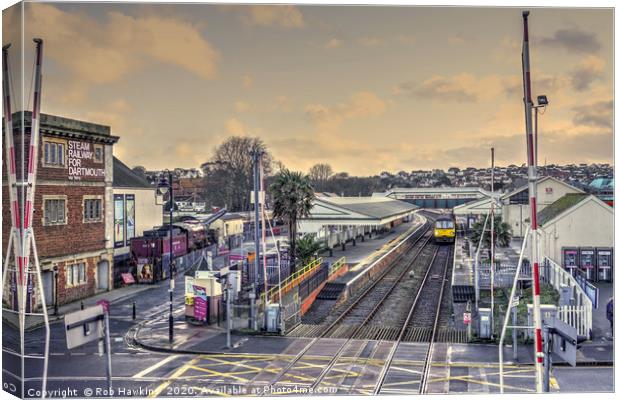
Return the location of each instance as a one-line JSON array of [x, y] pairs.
[[163, 187]]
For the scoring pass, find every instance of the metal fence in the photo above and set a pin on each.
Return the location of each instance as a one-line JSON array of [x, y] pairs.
[[504, 274]]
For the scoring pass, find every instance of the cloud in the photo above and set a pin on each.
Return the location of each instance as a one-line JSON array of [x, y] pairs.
[[597, 114], [554, 147], [283, 103], [370, 41], [283, 16], [359, 105], [543, 84], [248, 81], [456, 40], [96, 51], [242, 106], [573, 40], [589, 70], [333, 43], [458, 88]]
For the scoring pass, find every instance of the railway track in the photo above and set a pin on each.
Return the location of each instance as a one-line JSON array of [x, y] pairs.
[[422, 324], [351, 319]]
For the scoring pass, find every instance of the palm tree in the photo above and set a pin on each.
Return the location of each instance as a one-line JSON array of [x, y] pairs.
[[503, 233], [307, 248], [292, 196]]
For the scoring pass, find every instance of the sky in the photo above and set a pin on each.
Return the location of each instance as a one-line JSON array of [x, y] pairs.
[[363, 88]]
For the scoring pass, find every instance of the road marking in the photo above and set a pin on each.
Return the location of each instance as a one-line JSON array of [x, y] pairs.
[[174, 376], [154, 367], [554, 383]]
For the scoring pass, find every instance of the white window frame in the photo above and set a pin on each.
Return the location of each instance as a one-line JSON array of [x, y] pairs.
[[101, 209], [48, 144], [76, 274], [47, 198]]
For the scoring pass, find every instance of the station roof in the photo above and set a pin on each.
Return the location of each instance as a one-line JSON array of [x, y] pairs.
[[363, 210], [435, 192], [560, 206]]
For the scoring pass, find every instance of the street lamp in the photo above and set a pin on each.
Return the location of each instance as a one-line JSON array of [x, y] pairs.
[[542, 103], [162, 188]]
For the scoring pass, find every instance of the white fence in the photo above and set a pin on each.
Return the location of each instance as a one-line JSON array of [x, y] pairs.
[[578, 315]]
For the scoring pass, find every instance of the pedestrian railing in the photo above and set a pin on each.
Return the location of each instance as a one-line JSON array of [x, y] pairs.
[[293, 280], [579, 317], [579, 314], [336, 266]]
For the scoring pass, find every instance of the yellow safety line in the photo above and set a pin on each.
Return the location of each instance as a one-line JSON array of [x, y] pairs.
[[217, 373], [553, 383], [172, 377]]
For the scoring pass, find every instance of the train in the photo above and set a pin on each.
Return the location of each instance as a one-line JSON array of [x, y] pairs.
[[152, 249], [445, 229]]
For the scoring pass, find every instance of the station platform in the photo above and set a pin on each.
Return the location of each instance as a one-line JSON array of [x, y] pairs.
[[370, 250]]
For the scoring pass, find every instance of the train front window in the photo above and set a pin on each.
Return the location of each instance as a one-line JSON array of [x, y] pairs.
[[444, 225]]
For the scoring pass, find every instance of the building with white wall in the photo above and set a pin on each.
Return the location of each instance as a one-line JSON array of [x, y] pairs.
[[135, 210], [516, 207], [575, 222]]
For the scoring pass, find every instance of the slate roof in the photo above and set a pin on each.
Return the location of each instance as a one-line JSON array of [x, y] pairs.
[[378, 209], [559, 206], [124, 177]]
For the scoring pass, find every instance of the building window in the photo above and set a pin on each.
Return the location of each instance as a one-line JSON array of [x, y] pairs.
[[92, 210], [54, 211], [98, 150], [76, 274], [53, 154]]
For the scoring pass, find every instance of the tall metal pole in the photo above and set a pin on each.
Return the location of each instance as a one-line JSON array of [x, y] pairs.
[[171, 280], [256, 154], [492, 242], [532, 178]]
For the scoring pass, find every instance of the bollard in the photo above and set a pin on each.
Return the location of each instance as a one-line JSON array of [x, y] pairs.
[[133, 311], [81, 305]]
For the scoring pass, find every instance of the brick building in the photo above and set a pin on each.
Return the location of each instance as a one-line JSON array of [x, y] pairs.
[[73, 213]]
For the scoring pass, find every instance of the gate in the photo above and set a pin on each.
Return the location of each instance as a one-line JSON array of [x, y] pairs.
[[48, 286], [291, 309]]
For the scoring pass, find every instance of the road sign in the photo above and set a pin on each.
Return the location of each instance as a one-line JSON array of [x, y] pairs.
[[84, 326], [515, 302], [105, 304], [467, 318]]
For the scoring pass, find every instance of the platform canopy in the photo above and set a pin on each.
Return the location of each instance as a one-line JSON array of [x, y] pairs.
[[436, 197], [355, 211]]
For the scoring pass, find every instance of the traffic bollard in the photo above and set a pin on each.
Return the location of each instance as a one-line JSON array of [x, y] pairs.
[[81, 305], [133, 311]]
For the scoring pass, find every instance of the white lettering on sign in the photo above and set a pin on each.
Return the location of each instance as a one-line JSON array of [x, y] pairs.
[[78, 151]]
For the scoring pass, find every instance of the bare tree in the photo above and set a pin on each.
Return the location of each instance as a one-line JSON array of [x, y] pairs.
[[319, 174], [229, 179]]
